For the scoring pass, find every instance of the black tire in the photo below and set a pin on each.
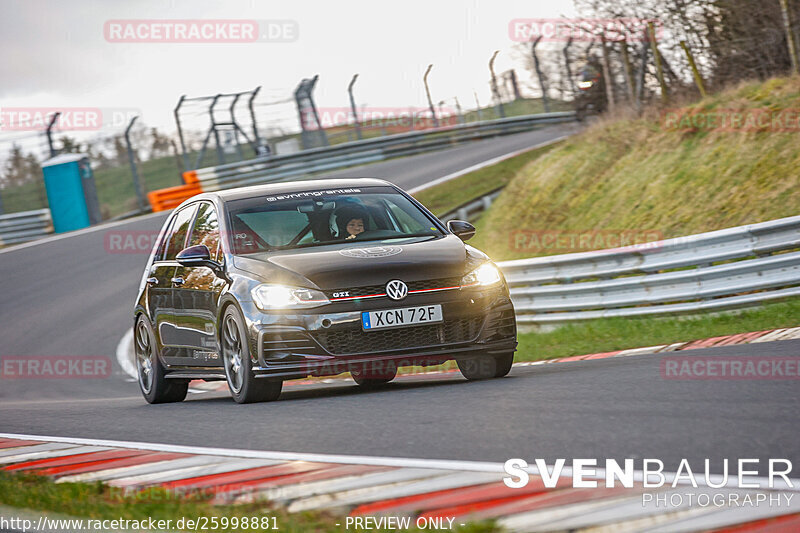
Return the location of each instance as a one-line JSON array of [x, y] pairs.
[[155, 387], [373, 374], [238, 362], [486, 366]]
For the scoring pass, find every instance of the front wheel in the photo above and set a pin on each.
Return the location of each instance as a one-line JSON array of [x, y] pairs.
[[155, 387], [242, 382], [486, 366]]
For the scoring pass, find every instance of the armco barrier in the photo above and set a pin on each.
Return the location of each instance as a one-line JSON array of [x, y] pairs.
[[24, 226], [719, 270], [307, 162]]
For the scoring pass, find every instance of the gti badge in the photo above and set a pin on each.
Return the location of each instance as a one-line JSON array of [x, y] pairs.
[[396, 289]]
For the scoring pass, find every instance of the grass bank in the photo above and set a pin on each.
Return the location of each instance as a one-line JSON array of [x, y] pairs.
[[639, 174]]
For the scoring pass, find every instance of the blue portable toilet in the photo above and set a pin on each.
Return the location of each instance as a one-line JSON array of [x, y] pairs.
[[71, 193]]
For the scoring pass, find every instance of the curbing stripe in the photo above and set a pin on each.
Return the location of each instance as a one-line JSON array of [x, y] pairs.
[[262, 473], [118, 464], [211, 466], [74, 459], [301, 484], [409, 487]]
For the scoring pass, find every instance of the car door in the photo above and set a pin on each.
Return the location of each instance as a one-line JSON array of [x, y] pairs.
[[173, 339], [197, 292], [159, 290]]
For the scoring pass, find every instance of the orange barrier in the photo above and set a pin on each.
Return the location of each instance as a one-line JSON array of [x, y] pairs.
[[171, 197]]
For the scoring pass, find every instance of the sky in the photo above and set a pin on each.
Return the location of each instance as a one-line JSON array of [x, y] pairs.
[[55, 53]]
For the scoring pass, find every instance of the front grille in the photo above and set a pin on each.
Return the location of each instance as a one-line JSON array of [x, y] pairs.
[[369, 290], [356, 341]]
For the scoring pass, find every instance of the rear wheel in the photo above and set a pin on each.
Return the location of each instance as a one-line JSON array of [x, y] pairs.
[[155, 387], [486, 366], [244, 386], [373, 374]]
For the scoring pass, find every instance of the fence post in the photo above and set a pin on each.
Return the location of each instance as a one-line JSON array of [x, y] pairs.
[[626, 62], [137, 184], [539, 74], [696, 73], [461, 117], [612, 104], [477, 105], [651, 31], [495, 91], [180, 131], [569, 69], [49, 132], [256, 136], [642, 72], [787, 24], [428, 93], [353, 106]]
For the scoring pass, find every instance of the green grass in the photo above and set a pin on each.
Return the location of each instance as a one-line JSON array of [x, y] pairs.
[[633, 174], [99, 501], [449, 195], [606, 335]]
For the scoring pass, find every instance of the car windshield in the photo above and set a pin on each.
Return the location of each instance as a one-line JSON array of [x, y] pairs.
[[325, 216]]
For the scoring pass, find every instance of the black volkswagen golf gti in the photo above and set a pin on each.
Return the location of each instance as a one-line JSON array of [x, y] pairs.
[[262, 284]]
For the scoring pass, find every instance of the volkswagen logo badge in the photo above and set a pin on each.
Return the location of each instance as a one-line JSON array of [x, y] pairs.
[[396, 289]]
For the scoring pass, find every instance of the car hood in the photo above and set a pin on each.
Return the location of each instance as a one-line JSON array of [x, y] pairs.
[[359, 264]]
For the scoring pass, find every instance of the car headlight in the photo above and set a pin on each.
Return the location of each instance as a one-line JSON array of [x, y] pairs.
[[483, 276], [269, 297]]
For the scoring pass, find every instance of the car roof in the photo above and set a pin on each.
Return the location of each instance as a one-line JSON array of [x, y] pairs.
[[286, 187]]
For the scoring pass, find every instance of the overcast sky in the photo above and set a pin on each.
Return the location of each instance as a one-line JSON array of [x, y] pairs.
[[54, 53]]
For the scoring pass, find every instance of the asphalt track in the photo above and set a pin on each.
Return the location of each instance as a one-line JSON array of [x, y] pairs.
[[72, 297]]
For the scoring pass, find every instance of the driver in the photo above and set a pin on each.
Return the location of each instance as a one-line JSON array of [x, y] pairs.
[[354, 227], [351, 222]]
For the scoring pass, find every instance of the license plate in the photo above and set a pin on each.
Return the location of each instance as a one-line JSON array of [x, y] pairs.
[[407, 316]]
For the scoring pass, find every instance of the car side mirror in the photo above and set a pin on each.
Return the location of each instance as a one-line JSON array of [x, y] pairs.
[[198, 255], [462, 229]]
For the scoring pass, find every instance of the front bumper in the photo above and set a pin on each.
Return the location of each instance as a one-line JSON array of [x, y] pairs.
[[329, 340]]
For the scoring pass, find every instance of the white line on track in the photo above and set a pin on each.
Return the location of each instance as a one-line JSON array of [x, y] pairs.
[[397, 462], [124, 351], [484, 164]]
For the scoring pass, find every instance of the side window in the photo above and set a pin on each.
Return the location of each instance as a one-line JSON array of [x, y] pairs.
[[179, 230], [162, 244], [206, 230]]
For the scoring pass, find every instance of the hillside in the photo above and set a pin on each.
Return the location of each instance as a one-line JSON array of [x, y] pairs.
[[646, 177]]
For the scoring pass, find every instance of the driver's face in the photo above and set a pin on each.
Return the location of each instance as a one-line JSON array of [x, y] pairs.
[[355, 226]]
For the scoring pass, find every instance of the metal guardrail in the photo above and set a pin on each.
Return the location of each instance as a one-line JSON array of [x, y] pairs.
[[280, 167], [719, 270], [24, 226], [471, 210]]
